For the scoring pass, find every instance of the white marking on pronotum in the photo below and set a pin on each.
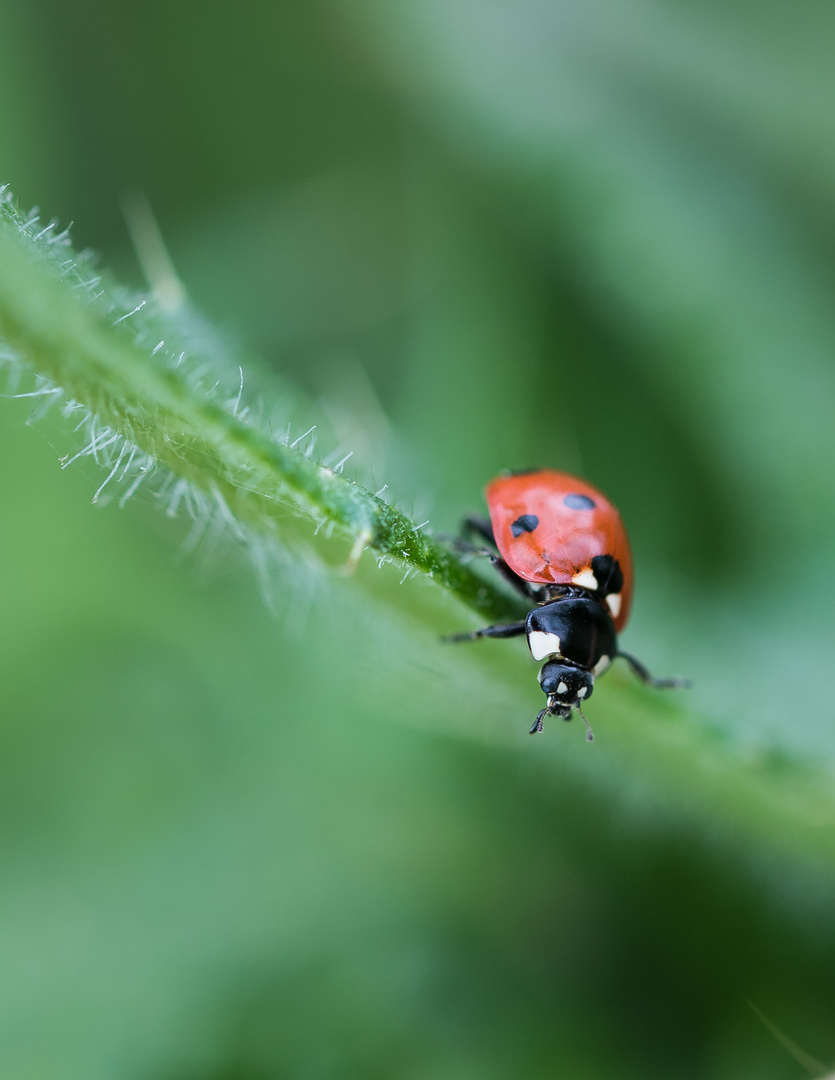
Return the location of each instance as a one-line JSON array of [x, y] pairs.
[[613, 600], [296, 442], [585, 579], [543, 645], [562, 688], [582, 691], [601, 665]]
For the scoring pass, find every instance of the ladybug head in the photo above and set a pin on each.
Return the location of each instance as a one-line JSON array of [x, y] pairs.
[[566, 685]]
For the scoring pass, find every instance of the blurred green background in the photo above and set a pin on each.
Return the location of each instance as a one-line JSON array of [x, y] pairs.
[[598, 236]]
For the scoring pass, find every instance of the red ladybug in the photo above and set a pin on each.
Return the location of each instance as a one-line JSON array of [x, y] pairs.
[[561, 543]]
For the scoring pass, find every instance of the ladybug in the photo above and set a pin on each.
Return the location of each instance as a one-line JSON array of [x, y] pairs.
[[560, 543]]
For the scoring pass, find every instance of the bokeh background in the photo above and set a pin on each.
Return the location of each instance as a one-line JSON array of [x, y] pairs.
[[593, 235]]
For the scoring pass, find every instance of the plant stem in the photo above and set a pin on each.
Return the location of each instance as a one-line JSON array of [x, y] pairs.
[[82, 334]]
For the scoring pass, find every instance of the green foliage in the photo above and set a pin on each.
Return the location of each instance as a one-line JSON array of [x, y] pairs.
[[462, 239]]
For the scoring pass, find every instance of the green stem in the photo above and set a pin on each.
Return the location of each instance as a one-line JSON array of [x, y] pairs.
[[84, 335]]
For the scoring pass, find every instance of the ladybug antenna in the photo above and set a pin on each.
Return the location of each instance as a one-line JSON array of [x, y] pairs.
[[537, 724], [589, 732]]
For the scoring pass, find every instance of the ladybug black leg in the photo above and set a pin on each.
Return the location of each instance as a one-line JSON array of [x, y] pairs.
[[589, 732], [478, 526], [530, 592], [676, 682], [472, 527], [519, 584], [505, 630]]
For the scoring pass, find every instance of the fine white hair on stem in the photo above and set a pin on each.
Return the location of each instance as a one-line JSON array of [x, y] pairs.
[[92, 447], [296, 442], [158, 402], [112, 472], [128, 314], [340, 465], [145, 471], [237, 404]]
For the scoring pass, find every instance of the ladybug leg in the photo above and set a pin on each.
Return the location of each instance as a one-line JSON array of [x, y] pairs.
[[503, 630], [519, 584], [676, 682], [472, 525]]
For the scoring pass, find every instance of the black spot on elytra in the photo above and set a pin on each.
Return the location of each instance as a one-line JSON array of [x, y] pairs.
[[579, 502], [608, 573], [523, 524]]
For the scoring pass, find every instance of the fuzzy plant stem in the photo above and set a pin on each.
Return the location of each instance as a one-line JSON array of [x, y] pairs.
[[78, 334]]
